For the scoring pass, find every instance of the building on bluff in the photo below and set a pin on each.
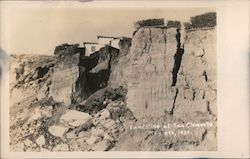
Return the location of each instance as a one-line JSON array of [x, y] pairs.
[[91, 47]]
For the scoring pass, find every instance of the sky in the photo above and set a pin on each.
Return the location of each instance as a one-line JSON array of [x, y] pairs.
[[38, 30]]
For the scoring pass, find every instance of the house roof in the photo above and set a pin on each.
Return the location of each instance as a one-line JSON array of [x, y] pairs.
[[94, 43], [111, 37]]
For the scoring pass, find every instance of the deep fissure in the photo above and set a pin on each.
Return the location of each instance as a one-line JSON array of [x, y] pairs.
[[176, 94], [177, 58], [89, 82]]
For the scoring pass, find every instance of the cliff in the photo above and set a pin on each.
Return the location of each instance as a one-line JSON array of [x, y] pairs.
[[170, 75], [169, 83], [161, 71]]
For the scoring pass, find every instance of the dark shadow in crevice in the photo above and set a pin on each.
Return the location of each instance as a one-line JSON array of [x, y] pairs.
[[177, 58], [91, 81], [175, 97], [42, 71]]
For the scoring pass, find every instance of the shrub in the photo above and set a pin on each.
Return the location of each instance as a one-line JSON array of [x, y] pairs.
[[174, 24], [66, 49], [149, 22], [187, 25], [204, 20]]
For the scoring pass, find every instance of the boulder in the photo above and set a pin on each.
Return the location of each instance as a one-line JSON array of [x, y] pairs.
[[40, 140], [75, 118], [57, 131]]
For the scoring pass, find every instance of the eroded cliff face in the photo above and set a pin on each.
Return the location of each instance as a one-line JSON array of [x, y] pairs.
[[30, 77], [119, 74], [65, 76], [152, 60], [171, 79], [162, 74], [76, 77], [196, 80]]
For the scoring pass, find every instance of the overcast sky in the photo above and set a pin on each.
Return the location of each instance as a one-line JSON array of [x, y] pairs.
[[39, 30]]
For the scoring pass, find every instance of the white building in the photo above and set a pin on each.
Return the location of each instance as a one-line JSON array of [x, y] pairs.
[[90, 47], [115, 43], [108, 40]]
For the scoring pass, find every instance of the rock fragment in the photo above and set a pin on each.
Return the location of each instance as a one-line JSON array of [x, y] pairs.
[[57, 131], [75, 118], [40, 140]]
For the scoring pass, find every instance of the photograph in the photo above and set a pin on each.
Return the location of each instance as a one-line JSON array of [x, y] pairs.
[[124, 79], [128, 79]]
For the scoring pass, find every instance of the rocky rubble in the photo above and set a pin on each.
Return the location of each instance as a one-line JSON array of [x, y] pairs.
[[100, 135], [71, 130]]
